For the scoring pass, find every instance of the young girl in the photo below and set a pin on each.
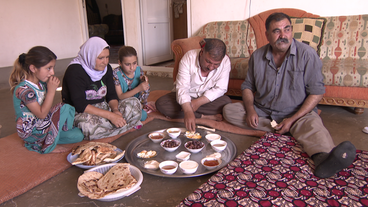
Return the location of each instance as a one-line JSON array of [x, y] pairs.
[[130, 80], [33, 85], [88, 86]]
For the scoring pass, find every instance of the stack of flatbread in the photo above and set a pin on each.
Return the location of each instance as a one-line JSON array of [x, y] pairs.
[[94, 153], [96, 185]]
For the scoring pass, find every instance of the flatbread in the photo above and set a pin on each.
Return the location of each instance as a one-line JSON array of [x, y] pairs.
[[90, 145], [94, 153], [87, 185], [117, 178]]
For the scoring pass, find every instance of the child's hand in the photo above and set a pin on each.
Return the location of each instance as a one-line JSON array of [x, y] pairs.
[[53, 83], [144, 86]]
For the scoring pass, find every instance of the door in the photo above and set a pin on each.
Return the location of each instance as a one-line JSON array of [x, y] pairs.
[[156, 31]]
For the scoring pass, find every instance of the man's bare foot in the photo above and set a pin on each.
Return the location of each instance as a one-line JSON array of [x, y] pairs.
[[60, 149], [216, 117]]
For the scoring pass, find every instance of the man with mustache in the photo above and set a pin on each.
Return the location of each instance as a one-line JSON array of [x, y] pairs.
[[285, 83], [200, 85]]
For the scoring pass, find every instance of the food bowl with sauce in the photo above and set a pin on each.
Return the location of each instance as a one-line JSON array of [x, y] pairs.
[[170, 145], [194, 146], [189, 166], [211, 163], [212, 137], [173, 132], [218, 145], [168, 167], [156, 137]]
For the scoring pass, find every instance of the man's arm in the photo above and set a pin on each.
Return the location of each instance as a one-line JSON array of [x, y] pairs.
[[251, 114], [310, 102]]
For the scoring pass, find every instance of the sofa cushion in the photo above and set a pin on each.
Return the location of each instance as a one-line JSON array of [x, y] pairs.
[[309, 31], [238, 36], [239, 68], [345, 72], [345, 37]]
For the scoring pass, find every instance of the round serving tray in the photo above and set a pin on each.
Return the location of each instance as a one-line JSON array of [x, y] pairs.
[[144, 143]]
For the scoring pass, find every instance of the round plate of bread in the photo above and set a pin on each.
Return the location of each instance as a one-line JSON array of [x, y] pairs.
[[93, 154]]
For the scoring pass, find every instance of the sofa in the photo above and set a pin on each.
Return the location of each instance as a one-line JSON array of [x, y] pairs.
[[340, 42]]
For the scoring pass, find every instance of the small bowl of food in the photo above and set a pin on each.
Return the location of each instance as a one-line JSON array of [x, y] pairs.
[[156, 137], [213, 137], [194, 146], [218, 145], [211, 163], [170, 145], [193, 135], [151, 165], [189, 166], [183, 156], [173, 132], [168, 167]]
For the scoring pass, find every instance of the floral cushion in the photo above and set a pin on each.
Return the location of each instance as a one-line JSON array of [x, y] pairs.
[[237, 35], [239, 68], [344, 51]]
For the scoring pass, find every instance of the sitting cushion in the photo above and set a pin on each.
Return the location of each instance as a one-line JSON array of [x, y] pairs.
[[239, 68], [309, 31]]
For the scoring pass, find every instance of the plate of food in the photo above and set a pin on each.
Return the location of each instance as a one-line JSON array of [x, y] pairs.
[[177, 154], [193, 135], [92, 154], [110, 182]]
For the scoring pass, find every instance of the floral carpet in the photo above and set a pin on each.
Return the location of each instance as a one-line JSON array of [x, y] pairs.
[[275, 171]]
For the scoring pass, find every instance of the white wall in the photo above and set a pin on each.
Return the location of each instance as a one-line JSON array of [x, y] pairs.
[[54, 24], [319, 7], [201, 12]]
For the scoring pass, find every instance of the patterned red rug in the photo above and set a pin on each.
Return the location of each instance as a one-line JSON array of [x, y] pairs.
[[275, 171]]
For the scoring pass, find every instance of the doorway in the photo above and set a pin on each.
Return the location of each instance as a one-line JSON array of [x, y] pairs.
[[104, 19]]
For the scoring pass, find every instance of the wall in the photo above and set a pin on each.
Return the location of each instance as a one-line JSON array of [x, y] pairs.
[[204, 11], [55, 24]]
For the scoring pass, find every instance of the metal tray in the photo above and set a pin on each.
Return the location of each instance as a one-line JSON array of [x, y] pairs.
[[144, 143]]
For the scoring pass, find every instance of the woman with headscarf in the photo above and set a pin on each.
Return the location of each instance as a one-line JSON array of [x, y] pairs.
[[88, 86]]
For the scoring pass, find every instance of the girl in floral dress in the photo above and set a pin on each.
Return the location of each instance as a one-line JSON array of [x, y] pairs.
[[33, 85], [130, 80]]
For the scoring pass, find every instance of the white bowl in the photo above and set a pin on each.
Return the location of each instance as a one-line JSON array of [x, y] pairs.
[[189, 166], [218, 145], [213, 137], [210, 163], [156, 137], [173, 132], [135, 172], [170, 149], [168, 167], [194, 150]]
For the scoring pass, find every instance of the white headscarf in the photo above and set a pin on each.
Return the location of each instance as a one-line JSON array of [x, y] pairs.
[[87, 55]]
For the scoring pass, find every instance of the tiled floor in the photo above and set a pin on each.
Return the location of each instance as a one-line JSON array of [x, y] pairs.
[[160, 191]]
